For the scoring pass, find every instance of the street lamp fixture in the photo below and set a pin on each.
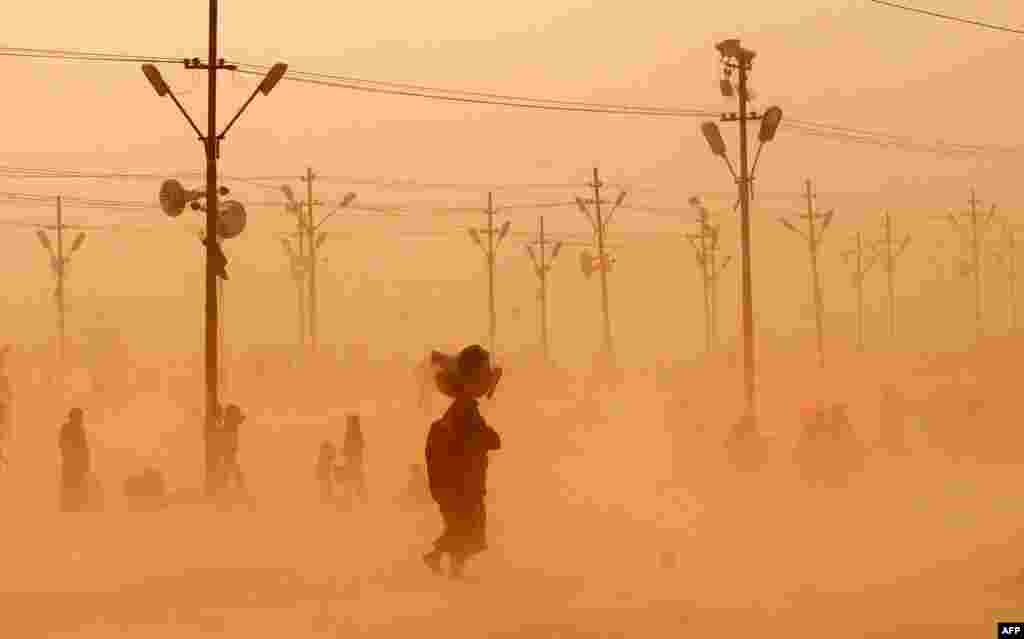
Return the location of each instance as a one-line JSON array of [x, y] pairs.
[[736, 58]]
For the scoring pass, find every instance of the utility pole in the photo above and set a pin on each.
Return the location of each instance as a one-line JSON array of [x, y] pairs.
[[314, 342], [1006, 255], [736, 58], [215, 261], [599, 222], [494, 238], [705, 245], [861, 269], [58, 266], [814, 237], [541, 267], [891, 251], [308, 236], [60, 286], [1011, 272], [977, 225], [297, 268]]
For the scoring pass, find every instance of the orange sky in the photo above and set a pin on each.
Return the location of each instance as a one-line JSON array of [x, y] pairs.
[[855, 64]]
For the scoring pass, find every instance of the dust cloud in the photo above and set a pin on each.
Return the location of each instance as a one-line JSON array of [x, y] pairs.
[[614, 510]]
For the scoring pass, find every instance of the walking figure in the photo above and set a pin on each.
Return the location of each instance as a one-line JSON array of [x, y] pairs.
[[229, 467], [326, 468], [352, 473], [75, 466], [457, 454]]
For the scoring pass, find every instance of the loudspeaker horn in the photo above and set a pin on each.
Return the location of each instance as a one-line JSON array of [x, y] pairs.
[[231, 220], [174, 197]]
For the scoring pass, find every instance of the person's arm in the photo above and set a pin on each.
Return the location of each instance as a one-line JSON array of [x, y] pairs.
[[491, 439]]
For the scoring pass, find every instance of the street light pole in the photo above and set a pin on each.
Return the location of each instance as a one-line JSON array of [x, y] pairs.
[[736, 58], [174, 198]]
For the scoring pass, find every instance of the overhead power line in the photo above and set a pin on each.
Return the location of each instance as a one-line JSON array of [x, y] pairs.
[[82, 56], [523, 103], [943, 16]]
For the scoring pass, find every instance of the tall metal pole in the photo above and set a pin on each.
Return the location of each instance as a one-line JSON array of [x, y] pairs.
[[608, 349], [860, 293], [748, 296], [890, 269], [1012, 275], [492, 317], [976, 265], [314, 343], [60, 289], [543, 295], [300, 279], [812, 243], [706, 275], [212, 151]]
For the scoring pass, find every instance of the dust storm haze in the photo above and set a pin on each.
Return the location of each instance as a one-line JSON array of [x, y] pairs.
[[868, 488]]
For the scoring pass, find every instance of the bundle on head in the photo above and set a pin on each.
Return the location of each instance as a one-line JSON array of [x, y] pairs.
[[467, 375]]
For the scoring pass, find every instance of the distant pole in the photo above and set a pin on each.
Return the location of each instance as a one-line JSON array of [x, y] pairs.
[[493, 320], [314, 341], [60, 288], [494, 238], [705, 245], [814, 237], [541, 267], [814, 244], [890, 269], [608, 347], [300, 278], [543, 272], [1011, 241], [976, 265], [978, 226], [859, 283]]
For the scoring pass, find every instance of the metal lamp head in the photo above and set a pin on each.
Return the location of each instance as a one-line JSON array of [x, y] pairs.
[[156, 80], [714, 138], [273, 77]]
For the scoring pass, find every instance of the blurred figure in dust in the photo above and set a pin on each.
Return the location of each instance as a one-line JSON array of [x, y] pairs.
[[353, 450], [229, 467], [457, 448], [75, 466], [325, 471]]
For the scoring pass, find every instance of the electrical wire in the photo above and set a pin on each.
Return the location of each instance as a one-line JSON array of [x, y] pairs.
[[493, 102], [83, 56], [251, 68], [944, 16]]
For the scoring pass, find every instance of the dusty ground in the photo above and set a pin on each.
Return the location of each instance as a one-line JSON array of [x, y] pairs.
[[620, 520]]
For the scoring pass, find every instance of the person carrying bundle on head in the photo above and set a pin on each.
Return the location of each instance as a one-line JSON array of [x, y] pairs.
[[457, 456]]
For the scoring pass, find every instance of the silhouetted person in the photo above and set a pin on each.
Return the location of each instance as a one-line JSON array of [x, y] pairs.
[[228, 465], [325, 470], [353, 450], [75, 463], [457, 449]]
